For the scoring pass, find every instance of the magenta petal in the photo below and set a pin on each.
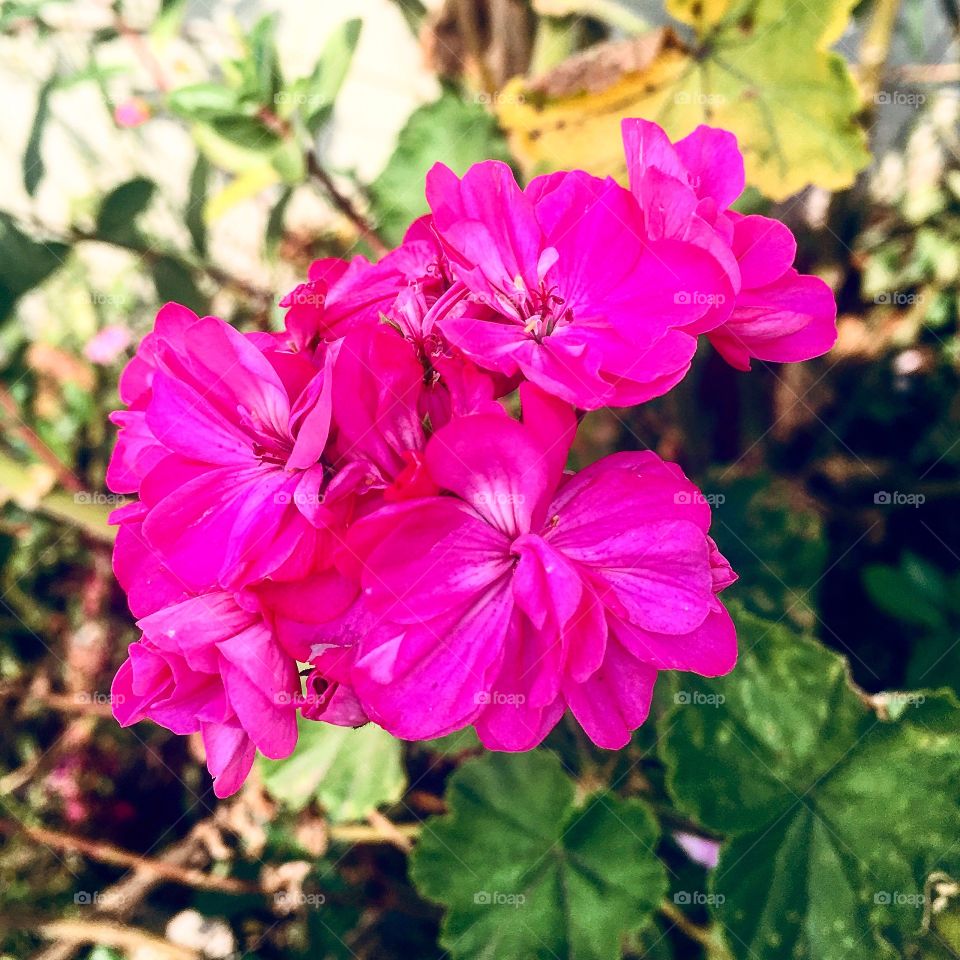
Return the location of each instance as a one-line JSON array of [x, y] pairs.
[[316, 402], [513, 724], [710, 650], [137, 452], [421, 559], [615, 700], [182, 420], [140, 570], [487, 220], [230, 755], [495, 465], [791, 320], [764, 249], [426, 680], [714, 164], [648, 147]]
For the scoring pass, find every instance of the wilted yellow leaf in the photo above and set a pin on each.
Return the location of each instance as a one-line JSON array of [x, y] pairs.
[[761, 69]]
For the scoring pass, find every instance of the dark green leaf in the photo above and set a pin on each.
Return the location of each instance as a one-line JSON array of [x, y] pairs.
[[274, 232], [174, 281], [116, 221], [524, 872], [196, 201], [835, 816], [897, 594], [448, 130], [24, 262], [33, 168]]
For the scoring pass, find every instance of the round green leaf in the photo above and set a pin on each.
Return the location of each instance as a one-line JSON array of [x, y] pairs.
[[524, 872]]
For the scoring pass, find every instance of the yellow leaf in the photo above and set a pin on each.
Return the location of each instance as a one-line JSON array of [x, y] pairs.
[[241, 188], [760, 69]]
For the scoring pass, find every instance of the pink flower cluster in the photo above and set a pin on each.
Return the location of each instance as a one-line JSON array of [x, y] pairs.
[[344, 521]]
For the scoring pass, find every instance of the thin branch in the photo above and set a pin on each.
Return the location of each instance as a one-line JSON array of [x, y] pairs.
[[345, 206], [390, 831], [116, 856], [128, 939], [43, 453], [362, 833], [705, 936]]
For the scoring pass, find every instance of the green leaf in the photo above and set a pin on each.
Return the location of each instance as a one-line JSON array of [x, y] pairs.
[[203, 101], [455, 743], [779, 551], [175, 282], [264, 63], [33, 168], [524, 872], [116, 221], [895, 593], [24, 263], [414, 12], [196, 201], [449, 131], [321, 88], [274, 231], [835, 817], [236, 143], [350, 772]]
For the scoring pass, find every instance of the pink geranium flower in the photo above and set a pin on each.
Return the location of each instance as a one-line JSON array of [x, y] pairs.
[[209, 665], [772, 312], [231, 441], [521, 592], [566, 284]]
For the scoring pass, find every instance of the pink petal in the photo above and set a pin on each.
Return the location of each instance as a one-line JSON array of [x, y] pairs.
[[710, 649], [230, 755], [713, 163], [615, 700]]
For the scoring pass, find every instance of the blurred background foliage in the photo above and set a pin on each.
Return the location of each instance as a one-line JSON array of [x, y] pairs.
[[206, 153]]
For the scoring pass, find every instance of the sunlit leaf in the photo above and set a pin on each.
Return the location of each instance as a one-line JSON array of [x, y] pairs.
[[350, 772], [761, 68], [449, 131]]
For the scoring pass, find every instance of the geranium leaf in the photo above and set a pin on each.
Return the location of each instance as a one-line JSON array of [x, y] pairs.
[[757, 67], [525, 872], [350, 772], [836, 815]]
